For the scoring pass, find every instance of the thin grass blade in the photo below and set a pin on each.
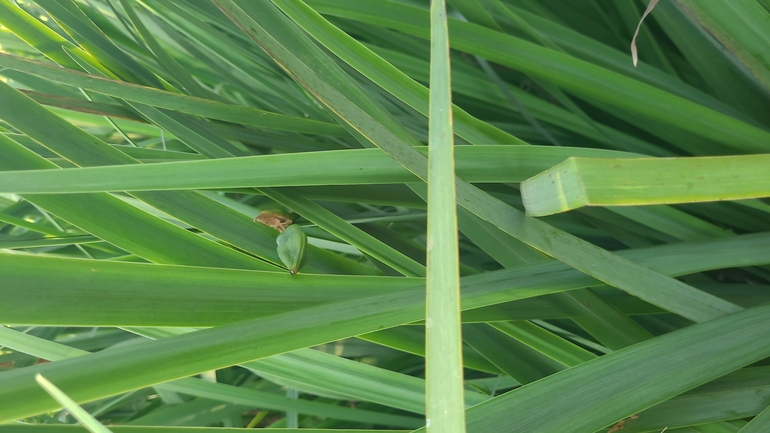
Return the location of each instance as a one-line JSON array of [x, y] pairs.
[[445, 411]]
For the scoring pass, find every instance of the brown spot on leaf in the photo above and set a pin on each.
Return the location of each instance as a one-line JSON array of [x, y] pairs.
[[621, 424]]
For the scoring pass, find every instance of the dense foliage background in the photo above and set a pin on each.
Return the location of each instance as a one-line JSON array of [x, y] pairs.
[[139, 139]]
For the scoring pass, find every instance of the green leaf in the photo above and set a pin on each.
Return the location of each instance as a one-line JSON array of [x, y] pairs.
[[445, 411], [592, 182], [292, 244], [545, 342], [164, 295], [81, 415], [340, 167]]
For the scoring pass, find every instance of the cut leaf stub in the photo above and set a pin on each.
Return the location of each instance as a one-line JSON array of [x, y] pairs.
[[579, 182]]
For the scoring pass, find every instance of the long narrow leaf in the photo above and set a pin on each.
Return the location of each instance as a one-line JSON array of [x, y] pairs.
[[591, 182], [339, 167], [165, 295], [445, 411]]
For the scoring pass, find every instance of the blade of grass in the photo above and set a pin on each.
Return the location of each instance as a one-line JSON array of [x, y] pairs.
[[337, 167], [545, 342], [45, 242], [445, 408], [248, 397], [91, 423], [352, 378], [164, 295], [193, 132]]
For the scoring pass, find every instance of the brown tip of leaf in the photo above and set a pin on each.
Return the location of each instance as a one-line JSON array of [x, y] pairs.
[[634, 56]]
